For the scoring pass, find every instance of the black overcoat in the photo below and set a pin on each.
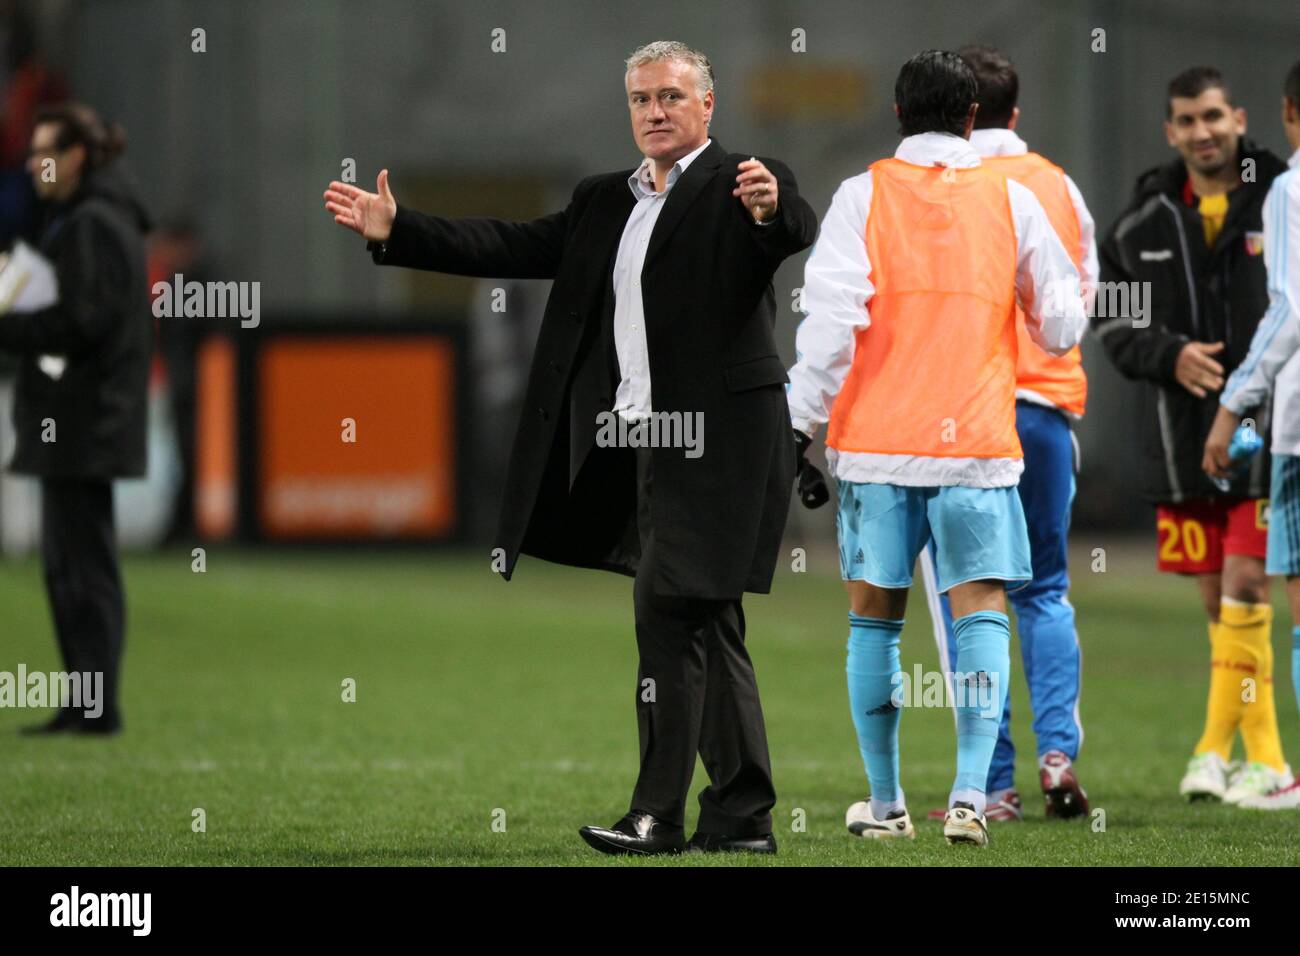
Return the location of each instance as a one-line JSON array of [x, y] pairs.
[[710, 313], [91, 421]]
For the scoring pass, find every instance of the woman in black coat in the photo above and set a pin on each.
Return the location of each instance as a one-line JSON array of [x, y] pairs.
[[80, 407]]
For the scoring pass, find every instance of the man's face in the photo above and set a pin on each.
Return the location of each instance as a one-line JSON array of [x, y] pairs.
[[1205, 130], [669, 118], [1291, 121], [66, 163]]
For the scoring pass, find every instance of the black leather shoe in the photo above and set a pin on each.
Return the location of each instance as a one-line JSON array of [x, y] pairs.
[[66, 721], [105, 725], [721, 843], [638, 834]]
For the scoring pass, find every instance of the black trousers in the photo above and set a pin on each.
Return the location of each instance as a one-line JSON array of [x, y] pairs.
[[696, 693], [79, 551]]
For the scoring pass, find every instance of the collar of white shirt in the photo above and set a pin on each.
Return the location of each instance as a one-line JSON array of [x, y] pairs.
[[1294, 161], [642, 182], [937, 149], [997, 142]]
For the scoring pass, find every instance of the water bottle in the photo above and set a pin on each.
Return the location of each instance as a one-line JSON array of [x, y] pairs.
[[1244, 446]]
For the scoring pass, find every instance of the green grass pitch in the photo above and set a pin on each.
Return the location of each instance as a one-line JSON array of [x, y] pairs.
[[481, 701]]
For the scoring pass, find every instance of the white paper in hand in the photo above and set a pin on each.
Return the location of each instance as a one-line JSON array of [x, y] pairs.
[[27, 281]]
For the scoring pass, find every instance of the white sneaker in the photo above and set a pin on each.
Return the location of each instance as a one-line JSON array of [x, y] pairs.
[[1256, 780], [861, 822], [964, 825], [1206, 777], [1285, 798]]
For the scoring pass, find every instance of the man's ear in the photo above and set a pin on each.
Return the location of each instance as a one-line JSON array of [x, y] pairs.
[[1169, 134], [1239, 114], [970, 119], [1015, 116]]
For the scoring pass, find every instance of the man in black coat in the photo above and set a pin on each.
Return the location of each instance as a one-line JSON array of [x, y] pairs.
[[80, 406], [661, 312]]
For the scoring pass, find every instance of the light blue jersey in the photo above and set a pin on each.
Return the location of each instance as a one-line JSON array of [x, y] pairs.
[[1273, 363]]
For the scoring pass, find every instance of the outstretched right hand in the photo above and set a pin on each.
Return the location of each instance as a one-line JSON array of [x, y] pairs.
[[370, 214]]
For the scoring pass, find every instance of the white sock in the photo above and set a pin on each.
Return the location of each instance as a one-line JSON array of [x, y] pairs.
[[975, 798], [880, 809]]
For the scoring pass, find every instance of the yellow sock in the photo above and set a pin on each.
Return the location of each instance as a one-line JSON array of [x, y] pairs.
[[1250, 647], [1224, 708]]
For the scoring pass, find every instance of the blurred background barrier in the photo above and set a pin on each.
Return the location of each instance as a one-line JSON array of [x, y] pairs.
[[239, 113]]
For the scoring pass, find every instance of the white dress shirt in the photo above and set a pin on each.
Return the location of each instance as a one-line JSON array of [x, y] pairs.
[[1273, 362], [632, 400], [838, 289]]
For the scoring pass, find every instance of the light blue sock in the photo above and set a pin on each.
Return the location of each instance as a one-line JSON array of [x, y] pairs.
[[1295, 662], [980, 684], [873, 661]]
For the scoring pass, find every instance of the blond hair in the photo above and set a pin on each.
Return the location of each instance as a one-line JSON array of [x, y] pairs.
[[661, 50]]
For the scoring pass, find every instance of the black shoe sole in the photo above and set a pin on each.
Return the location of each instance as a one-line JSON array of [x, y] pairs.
[[45, 730], [757, 851], [92, 729], [600, 844], [1063, 805], [857, 829]]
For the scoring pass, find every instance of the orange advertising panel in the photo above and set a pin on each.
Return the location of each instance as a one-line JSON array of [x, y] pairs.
[[356, 437], [216, 430]]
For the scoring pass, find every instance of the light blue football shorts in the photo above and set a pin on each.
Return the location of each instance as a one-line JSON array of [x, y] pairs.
[[979, 534], [1283, 554]]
